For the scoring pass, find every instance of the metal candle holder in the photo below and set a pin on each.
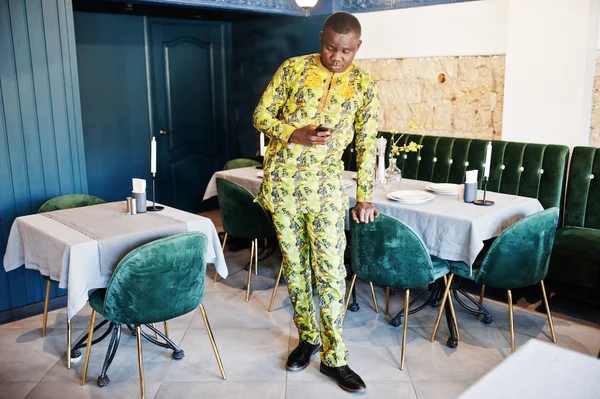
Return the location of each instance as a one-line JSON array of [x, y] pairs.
[[154, 208], [484, 202]]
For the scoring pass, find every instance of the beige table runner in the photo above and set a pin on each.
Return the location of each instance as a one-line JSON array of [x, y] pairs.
[[117, 232]]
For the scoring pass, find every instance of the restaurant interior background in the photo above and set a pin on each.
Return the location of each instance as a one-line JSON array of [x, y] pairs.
[[86, 84]]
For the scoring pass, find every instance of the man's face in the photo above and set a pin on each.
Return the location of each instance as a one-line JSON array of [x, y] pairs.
[[338, 50]]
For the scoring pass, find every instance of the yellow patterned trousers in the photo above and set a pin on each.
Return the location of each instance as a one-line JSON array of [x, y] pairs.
[[317, 242]]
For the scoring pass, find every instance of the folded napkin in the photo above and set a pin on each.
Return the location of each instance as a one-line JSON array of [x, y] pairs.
[[471, 176], [139, 185]]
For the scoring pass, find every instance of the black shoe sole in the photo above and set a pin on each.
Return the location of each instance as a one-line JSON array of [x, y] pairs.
[[300, 368], [360, 390]]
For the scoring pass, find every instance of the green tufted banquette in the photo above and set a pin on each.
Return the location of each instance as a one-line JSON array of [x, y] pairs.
[[576, 255], [529, 170]]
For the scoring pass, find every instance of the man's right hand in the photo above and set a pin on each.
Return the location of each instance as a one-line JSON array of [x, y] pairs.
[[307, 135]]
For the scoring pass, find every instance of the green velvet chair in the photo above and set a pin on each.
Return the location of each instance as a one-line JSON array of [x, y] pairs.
[[244, 218], [157, 281], [387, 252], [575, 258], [240, 163], [518, 258], [56, 204], [236, 164]]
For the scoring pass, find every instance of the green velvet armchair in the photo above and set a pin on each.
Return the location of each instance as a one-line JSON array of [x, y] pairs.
[[518, 258], [388, 253], [157, 281], [244, 218], [56, 204], [576, 256]]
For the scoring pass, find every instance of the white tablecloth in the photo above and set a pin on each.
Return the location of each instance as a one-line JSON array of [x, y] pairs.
[[72, 258], [540, 370], [451, 229]]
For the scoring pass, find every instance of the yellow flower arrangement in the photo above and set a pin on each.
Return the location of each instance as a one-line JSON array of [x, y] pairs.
[[412, 146]]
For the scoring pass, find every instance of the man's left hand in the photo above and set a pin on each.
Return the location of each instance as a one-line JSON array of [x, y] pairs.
[[364, 212]]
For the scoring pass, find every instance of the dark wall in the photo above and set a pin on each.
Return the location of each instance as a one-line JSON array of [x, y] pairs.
[[114, 101], [41, 143], [259, 47]]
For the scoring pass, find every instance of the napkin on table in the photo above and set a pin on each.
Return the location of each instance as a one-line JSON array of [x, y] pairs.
[[139, 185], [471, 176]]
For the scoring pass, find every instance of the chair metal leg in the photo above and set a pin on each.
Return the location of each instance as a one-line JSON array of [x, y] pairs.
[[482, 294], [452, 312], [441, 310], [223, 249], [88, 348], [138, 337], [155, 334], [404, 328], [374, 298], [387, 300], [548, 312], [275, 288], [256, 256], [166, 329], [511, 322], [250, 272], [68, 344], [349, 292], [45, 320], [212, 341]]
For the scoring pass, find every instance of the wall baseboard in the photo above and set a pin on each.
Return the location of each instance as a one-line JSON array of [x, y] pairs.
[[33, 309]]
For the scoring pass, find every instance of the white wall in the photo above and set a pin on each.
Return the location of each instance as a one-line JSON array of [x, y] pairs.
[[550, 48], [549, 70], [470, 28]]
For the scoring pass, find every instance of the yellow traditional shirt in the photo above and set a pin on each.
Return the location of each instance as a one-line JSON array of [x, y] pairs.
[[307, 179]]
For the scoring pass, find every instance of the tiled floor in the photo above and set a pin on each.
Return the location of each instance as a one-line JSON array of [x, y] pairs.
[[254, 345]]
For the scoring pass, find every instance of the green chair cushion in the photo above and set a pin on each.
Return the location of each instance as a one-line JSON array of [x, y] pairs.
[[519, 257], [69, 201], [387, 252], [157, 281], [242, 217], [578, 240]]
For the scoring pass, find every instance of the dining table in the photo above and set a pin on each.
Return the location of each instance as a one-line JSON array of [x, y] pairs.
[[449, 227]]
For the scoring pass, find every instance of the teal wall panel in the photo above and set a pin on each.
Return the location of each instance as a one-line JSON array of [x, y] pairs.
[[114, 101], [41, 141]]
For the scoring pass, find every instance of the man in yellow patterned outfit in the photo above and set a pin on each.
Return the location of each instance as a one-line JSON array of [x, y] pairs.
[[302, 182]]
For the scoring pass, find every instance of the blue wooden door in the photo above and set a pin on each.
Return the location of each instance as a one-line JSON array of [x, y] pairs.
[[188, 107]]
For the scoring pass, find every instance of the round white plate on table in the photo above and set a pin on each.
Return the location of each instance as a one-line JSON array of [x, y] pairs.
[[410, 196], [443, 188], [260, 174]]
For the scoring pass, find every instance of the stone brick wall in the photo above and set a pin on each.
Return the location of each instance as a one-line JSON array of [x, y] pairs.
[[467, 104], [595, 123]]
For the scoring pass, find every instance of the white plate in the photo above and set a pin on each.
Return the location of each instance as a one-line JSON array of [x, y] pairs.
[[354, 176], [260, 174], [443, 188], [411, 196]]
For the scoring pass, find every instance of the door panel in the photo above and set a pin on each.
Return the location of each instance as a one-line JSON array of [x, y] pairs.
[[188, 102]]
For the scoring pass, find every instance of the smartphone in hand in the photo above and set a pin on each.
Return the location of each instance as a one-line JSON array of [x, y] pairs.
[[324, 130]]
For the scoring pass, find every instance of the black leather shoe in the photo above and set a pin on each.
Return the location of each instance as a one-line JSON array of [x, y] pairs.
[[347, 379], [299, 359]]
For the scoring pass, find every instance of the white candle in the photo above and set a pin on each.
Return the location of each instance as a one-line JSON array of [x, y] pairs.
[[153, 156], [488, 160], [262, 144]]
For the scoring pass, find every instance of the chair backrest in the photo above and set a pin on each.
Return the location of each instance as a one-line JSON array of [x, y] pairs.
[[242, 217], [519, 256], [387, 252], [525, 169], [158, 281], [69, 201], [582, 207], [240, 163]]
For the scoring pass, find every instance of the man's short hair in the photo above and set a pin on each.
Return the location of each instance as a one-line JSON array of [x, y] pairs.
[[343, 23]]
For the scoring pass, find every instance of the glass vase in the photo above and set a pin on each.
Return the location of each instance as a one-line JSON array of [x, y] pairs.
[[393, 177]]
